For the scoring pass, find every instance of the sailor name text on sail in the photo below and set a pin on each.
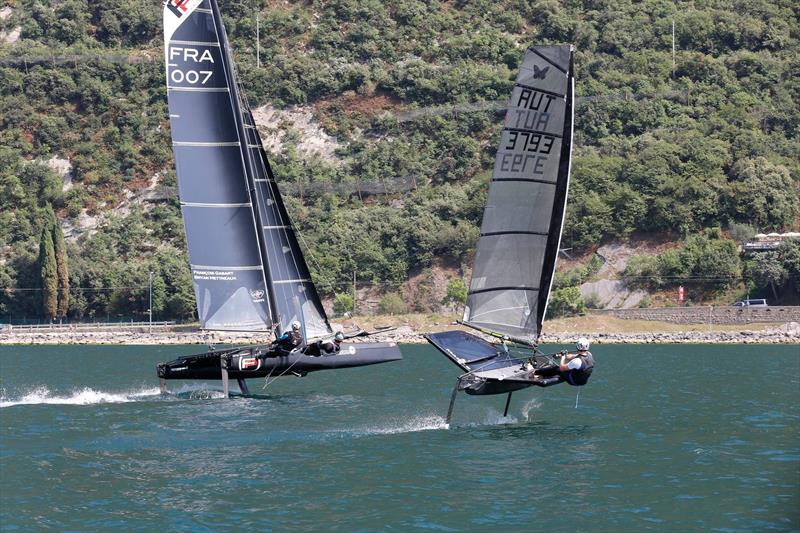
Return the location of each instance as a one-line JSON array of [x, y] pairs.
[[214, 275]]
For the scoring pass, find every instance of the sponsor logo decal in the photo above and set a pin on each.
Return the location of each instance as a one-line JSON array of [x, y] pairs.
[[178, 7], [249, 363], [539, 74]]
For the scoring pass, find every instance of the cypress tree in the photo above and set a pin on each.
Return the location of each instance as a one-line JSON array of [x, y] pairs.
[[62, 269], [49, 274]]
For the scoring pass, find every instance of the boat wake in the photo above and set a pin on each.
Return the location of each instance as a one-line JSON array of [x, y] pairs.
[[531, 405], [85, 396], [189, 391], [415, 424]]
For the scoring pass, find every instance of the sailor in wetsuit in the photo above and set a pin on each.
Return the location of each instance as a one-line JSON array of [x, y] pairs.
[[290, 341], [575, 369]]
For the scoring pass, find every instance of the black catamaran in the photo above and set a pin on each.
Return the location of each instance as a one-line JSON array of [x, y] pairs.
[[520, 234], [248, 271]]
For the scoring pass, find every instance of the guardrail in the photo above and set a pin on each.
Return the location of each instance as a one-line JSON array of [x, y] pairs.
[[87, 326], [724, 314]]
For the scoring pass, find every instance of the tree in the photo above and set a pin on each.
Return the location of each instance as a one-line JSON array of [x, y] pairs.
[[62, 268], [764, 194], [342, 304], [566, 302], [741, 232], [456, 292], [767, 269], [48, 274], [392, 304]]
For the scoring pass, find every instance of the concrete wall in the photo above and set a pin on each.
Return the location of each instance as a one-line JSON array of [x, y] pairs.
[[706, 314]]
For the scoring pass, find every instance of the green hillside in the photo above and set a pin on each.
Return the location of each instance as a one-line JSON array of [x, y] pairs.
[[410, 91]]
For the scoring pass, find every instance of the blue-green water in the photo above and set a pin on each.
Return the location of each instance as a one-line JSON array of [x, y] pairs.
[[665, 438]]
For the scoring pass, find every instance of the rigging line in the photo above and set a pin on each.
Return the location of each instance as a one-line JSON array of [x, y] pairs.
[[266, 378], [287, 224], [275, 210], [285, 221], [267, 384]]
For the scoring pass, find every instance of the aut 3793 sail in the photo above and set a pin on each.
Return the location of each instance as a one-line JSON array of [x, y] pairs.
[[248, 270], [520, 234]]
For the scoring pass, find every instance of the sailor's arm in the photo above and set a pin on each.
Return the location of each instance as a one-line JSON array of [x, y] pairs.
[[565, 359]]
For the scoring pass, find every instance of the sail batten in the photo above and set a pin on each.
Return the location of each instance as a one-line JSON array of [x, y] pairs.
[[523, 218]]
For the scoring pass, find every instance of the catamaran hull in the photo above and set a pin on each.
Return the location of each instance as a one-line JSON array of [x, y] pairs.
[[258, 362]]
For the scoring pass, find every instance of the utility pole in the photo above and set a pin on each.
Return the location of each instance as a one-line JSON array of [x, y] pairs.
[[150, 309], [673, 49], [258, 40]]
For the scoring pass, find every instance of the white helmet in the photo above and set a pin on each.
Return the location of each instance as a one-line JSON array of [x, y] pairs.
[[582, 344], [339, 337], [296, 325]]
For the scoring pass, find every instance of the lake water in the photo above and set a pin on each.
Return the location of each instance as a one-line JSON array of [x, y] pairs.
[[666, 438]]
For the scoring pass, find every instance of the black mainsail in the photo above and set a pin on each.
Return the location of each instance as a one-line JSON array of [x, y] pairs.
[[248, 270], [520, 234], [524, 215]]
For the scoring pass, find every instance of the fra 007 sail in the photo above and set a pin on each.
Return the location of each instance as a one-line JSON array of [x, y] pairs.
[[520, 235], [248, 270]]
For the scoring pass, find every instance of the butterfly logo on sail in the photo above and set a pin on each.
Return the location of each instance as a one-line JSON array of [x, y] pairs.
[[539, 74], [257, 295]]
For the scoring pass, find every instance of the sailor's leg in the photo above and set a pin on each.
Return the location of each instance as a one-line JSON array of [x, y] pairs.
[[508, 402], [547, 371], [243, 386], [162, 385], [223, 365], [452, 401]]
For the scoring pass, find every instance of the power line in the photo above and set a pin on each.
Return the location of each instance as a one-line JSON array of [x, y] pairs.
[[88, 289]]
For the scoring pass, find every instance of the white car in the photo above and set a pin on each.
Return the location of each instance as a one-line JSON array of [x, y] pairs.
[[758, 302]]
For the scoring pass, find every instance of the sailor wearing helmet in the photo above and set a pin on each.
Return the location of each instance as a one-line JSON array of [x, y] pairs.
[[290, 341], [575, 368], [327, 346]]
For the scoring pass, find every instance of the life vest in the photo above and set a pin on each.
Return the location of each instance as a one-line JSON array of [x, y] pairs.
[[580, 376]]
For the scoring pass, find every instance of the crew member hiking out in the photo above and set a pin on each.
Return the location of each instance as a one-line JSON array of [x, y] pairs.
[[326, 346], [575, 368]]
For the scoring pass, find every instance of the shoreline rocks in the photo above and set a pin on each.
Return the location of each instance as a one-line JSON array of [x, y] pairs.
[[788, 333]]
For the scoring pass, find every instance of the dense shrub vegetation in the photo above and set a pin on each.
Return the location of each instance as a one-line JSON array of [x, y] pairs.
[[712, 144]]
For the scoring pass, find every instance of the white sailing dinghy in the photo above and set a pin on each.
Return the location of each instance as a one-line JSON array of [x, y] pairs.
[[520, 235], [247, 267]]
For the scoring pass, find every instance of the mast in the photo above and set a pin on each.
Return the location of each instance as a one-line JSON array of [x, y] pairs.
[[291, 290], [244, 140], [559, 207]]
